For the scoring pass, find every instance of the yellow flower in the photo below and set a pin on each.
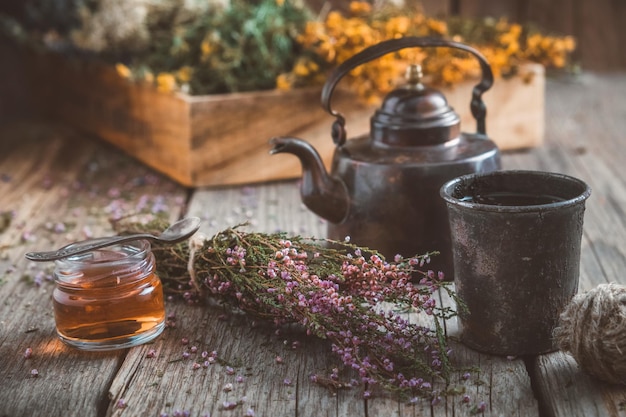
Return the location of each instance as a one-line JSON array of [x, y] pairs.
[[570, 43], [283, 82], [123, 71], [166, 82], [301, 68], [205, 49], [184, 74], [360, 8], [337, 38], [398, 25], [438, 27]]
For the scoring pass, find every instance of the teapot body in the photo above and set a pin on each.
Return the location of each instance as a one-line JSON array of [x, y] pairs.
[[394, 204], [383, 188]]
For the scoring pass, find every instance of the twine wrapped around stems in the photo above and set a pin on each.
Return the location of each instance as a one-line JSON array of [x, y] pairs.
[[592, 328]]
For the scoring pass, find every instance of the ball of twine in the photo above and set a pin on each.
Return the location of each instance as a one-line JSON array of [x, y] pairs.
[[592, 328]]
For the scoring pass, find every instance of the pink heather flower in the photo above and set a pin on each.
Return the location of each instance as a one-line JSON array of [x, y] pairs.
[[34, 373], [249, 413], [228, 387], [184, 341], [28, 353], [279, 359], [482, 406], [230, 370], [87, 232], [287, 382], [121, 403], [240, 379], [367, 394], [227, 405], [193, 349], [195, 366], [466, 398], [151, 353]]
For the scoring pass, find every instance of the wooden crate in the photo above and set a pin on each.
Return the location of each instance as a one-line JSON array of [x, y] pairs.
[[223, 139]]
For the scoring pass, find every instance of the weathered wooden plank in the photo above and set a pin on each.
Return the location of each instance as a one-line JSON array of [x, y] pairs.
[[246, 375], [57, 185], [589, 147], [283, 211], [567, 391], [595, 24], [268, 208]]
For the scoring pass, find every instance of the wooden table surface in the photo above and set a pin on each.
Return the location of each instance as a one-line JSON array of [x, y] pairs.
[[58, 185]]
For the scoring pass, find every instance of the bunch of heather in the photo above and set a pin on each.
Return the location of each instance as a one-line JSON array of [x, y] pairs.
[[335, 291]]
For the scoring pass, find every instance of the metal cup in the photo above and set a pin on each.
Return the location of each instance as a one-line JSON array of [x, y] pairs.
[[516, 238]]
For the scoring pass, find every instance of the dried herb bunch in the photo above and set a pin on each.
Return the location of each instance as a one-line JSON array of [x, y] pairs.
[[333, 289]]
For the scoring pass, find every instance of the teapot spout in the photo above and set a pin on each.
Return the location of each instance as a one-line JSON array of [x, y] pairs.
[[323, 194]]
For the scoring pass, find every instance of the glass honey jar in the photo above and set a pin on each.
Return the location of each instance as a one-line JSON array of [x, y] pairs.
[[109, 298]]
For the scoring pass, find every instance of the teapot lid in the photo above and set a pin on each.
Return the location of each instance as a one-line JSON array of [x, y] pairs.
[[414, 115]]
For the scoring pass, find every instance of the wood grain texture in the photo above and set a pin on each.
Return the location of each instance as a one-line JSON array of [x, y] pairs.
[[567, 391], [247, 359], [596, 24], [51, 174], [586, 145], [57, 186], [283, 211]]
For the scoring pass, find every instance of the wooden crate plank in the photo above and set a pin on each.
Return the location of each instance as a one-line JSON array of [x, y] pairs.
[[151, 126], [515, 108], [239, 154]]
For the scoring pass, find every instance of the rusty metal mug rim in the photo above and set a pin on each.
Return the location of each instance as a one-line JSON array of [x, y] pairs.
[[447, 191]]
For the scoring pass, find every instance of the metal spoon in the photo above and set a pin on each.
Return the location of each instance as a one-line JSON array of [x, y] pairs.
[[177, 232]]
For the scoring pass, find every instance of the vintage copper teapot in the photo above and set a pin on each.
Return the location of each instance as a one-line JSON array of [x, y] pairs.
[[383, 189]]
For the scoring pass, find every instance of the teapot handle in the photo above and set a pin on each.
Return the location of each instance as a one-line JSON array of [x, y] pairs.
[[479, 110]]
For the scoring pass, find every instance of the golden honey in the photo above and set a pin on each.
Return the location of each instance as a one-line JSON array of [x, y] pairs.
[[109, 298]]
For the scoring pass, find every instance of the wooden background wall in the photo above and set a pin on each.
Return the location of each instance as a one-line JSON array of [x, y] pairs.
[[598, 25]]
